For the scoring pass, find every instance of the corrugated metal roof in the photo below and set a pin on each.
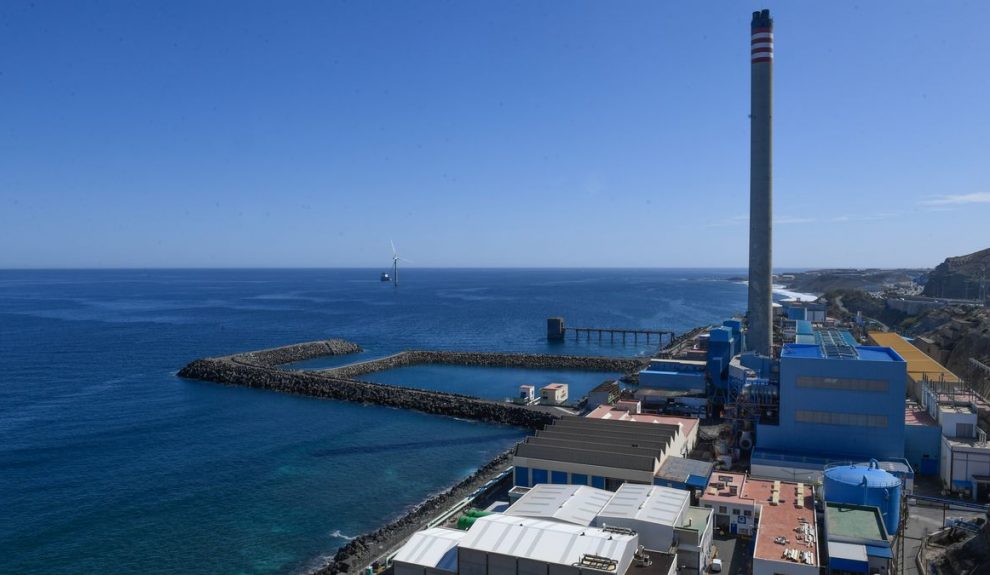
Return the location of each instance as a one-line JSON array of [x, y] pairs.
[[547, 541], [586, 457], [680, 469], [919, 365], [577, 504], [435, 548], [648, 503], [604, 443]]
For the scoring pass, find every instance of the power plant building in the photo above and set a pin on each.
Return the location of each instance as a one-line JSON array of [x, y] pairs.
[[853, 395]]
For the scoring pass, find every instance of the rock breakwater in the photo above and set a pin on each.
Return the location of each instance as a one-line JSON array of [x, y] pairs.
[[491, 359], [253, 370]]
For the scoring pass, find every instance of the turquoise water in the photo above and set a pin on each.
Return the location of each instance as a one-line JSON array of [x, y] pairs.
[[111, 464], [488, 382]]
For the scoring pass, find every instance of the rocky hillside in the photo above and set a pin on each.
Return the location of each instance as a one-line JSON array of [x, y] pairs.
[[959, 277], [959, 334], [822, 281]]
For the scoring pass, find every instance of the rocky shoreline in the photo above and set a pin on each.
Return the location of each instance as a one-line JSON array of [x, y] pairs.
[[260, 370], [365, 549]]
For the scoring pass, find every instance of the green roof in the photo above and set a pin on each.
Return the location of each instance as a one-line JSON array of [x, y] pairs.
[[854, 521]]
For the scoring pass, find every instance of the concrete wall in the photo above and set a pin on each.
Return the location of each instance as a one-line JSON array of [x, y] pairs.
[[921, 440], [854, 441], [768, 567]]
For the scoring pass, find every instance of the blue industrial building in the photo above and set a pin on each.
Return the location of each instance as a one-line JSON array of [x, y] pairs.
[[674, 374], [838, 401]]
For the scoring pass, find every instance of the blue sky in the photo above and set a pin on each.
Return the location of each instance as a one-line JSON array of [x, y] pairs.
[[231, 134]]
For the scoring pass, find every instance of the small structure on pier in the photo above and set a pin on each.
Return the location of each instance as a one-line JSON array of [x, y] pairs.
[[554, 394], [527, 395]]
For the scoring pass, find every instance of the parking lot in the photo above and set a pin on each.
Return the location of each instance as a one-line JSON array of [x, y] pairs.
[[735, 553]]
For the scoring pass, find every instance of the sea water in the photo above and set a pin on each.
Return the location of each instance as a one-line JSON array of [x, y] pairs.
[[111, 464]]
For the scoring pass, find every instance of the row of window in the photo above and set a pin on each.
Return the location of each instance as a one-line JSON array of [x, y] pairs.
[[844, 384], [845, 419], [723, 510], [527, 477]]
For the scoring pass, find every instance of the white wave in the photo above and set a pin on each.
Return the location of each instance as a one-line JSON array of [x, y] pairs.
[[793, 295], [337, 534]]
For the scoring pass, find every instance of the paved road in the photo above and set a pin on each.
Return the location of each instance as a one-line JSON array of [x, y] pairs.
[[921, 521]]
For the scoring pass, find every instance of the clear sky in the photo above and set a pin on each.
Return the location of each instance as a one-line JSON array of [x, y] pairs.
[[532, 133]]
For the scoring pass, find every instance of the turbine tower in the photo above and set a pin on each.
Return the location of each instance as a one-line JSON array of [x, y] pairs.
[[395, 264], [760, 336]]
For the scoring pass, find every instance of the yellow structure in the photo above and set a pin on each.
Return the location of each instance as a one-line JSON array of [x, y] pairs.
[[919, 365]]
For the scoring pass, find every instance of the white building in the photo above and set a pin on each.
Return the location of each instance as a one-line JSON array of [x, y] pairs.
[[575, 504], [429, 552], [653, 512], [554, 394], [507, 545]]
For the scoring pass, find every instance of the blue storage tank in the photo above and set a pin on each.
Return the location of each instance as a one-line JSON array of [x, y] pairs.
[[866, 484]]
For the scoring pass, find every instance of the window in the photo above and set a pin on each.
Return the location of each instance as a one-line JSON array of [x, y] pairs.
[[842, 383], [735, 512], [964, 430], [721, 509], [708, 505], [845, 419], [747, 513]]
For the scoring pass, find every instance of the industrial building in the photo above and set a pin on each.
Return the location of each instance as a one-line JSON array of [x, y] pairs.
[[857, 540], [690, 475], [920, 367], [787, 541], [429, 552], [675, 374], [505, 545], [943, 434], [853, 395], [662, 517], [605, 393], [627, 410], [574, 504], [734, 499], [596, 452]]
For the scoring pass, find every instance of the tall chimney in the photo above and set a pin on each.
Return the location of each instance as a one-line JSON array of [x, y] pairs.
[[760, 337]]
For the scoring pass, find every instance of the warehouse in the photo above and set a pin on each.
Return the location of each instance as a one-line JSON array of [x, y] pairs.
[[506, 545], [600, 453], [429, 552], [650, 511], [575, 504]]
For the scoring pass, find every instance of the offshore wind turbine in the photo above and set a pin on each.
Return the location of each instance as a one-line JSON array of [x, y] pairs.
[[395, 264]]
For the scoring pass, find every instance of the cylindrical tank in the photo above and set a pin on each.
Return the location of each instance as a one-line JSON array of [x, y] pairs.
[[866, 484]]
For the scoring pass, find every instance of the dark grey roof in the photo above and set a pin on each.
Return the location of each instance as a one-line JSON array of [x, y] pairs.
[[610, 385], [608, 443], [586, 457], [679, 468]]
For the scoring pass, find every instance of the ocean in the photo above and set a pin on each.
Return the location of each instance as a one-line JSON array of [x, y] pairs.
[[111, 464]]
